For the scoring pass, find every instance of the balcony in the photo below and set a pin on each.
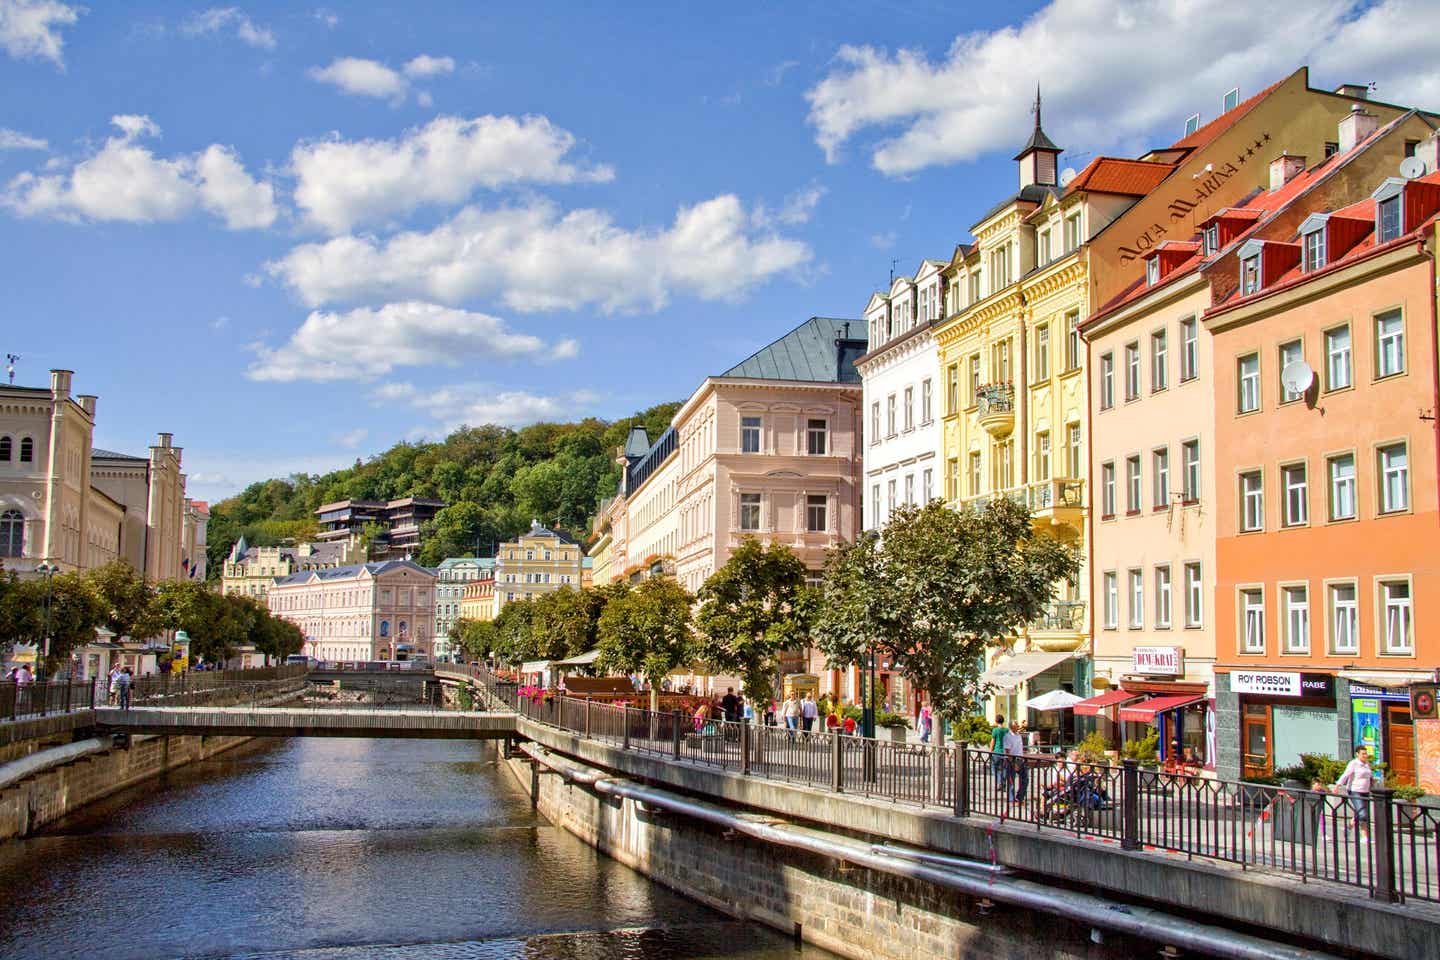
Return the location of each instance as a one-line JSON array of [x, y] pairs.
[[996, 402], [1060, 626], [979, 503], [1058, 501]]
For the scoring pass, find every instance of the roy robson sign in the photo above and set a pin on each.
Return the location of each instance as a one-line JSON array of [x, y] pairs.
[[1282, 683]]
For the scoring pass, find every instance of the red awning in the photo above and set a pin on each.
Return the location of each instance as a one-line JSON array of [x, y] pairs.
[[1144, 712], [1093, 706]]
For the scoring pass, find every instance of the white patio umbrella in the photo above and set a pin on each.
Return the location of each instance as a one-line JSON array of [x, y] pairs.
[[1053, 700]]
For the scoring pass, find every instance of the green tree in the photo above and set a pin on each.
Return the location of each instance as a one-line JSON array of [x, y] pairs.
[[476, 637], [563, 623], [752, 610], [648, 631], [128, 600], [369, 534], [514, 642], [66, 610], [939, 589]]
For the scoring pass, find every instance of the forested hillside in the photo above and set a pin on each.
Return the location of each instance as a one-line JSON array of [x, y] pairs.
[[494, 478]]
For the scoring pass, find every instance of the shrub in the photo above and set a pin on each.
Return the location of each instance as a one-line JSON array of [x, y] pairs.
[[1092, 748], [974, 730], [1145, 751], [1408, 793]]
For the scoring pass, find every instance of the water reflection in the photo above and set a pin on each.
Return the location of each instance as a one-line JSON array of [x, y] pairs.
[[340, 850]]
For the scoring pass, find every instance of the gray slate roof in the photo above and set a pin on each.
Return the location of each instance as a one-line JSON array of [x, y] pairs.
[[112, 455], [340, 573], [809, 352]]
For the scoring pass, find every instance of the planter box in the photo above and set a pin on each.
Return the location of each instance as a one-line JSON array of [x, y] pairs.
[[893, 734]]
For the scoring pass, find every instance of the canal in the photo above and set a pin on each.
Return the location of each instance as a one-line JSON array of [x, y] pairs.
[[342, 850]]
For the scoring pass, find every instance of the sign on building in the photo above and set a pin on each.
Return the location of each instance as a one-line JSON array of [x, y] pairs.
[[1158, 661]]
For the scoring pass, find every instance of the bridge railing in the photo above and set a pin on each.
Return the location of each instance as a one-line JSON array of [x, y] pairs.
[[1387, 847], [44, 698]]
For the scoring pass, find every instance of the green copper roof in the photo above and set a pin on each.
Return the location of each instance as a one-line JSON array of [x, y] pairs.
[[820, 350]]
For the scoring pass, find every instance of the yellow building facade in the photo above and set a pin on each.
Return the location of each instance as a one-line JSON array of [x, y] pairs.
[[538, 561]]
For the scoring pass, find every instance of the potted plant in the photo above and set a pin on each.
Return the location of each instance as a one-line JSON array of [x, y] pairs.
[[1407, 804]]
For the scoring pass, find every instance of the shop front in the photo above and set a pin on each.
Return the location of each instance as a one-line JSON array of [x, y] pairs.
[[1380, 719], [1158, 694], [1284, 714], [1016, 679]]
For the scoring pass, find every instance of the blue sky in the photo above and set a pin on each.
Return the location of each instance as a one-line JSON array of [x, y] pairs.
[[293, 235]]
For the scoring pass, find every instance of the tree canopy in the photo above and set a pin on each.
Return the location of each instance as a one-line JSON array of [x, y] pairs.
[[647, 631], [938, 589], [495, 480]]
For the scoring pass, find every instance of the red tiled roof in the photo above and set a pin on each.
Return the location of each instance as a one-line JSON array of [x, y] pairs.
[[1113, 175], [1224, 122]]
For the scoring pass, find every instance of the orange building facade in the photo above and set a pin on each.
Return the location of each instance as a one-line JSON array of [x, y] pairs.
[[1326, 514]]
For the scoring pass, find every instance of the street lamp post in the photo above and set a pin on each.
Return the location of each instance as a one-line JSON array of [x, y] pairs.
[[867, 711], [48, 571]]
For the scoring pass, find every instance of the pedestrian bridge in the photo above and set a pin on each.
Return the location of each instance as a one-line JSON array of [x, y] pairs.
[[419, 723]]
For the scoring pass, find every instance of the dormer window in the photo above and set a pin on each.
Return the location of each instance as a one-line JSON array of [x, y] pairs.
[[1387, 219], [1042, 247], [1152, 271], [1250, 275], [1212, 238], [1314, 249]]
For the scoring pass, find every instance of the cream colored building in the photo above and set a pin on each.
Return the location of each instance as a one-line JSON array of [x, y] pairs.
[[152, 489], [249, 571], [477, 600], [369, 611], [195, 538], [538, 561]]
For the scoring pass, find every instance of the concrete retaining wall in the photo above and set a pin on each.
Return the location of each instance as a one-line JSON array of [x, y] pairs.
[[46, 797]]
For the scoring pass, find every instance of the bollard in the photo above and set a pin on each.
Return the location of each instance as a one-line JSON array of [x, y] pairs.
[[1382, 830], [675, 731], [837, 763], [1130, 805]]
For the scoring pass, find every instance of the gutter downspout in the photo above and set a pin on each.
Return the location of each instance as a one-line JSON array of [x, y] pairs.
[[1082, 908]]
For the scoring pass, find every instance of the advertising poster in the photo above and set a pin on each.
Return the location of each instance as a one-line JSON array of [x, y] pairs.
[[1365, 715]]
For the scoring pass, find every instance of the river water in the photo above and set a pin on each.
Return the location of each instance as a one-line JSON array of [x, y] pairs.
[[342, 850]]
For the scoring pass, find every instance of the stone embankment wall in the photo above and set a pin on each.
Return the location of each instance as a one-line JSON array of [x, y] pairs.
[[851, 911], [46, 797]]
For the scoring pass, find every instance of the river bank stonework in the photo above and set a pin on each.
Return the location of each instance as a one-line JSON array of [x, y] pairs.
[[850, 911]]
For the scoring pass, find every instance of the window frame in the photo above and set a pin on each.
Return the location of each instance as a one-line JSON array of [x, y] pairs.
[[1132, 371], [1384, 206], [1192, 475], [1313, 254], [1042, 352], [927, 401], [1243, 592], [1382, 507], [1042, 455], [1110, 584], [1244, 513], [1189, 348], [823, 433], [1331, 461], [1134, 485], [1164, 597], [1332, 646], [875, 434], [1379, 343], [1288, 605], [1107, 380], [1107, 490], [1242, 378], [1194, 587], [1135, 581], [1072, 341], [759, 431], [1287, 519], [1160, 477], [1282, 392], [1159, 360], [1330, 354], [1383, 647], [811, 506], [750, 500], [1251, 279]]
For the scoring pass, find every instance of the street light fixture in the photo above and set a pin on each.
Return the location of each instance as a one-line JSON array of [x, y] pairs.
[[48, 571]]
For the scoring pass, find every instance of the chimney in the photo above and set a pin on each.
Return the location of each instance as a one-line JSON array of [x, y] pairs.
[[165, 439], [1356, 126], [87, 403], [1358, 91], [1285, 168], [60, 383], [1428, 150]]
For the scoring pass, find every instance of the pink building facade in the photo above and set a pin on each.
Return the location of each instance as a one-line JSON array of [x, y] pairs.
[[368, 611]]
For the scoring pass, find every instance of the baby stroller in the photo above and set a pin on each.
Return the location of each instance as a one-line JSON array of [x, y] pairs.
[[1073, 801]]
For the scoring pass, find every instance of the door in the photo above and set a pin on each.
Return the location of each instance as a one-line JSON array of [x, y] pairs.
[[1400, 744], [1256, 756]]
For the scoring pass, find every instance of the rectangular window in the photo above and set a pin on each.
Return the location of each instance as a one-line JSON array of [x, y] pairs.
[[1337, 358], [1189, 349], [1252, 612], [1194, 596], [1072, 444], [875, 506], [1132, 371], [817, 437], [1388, 217], [1399, 617], [1137, 599], [952, 388], [1042, 248], [1250, 275], [1042, 353], [890, 415], [890, 498], [749, 434], [1389, 344], [1162, 597], [1160, 465], [1297, 494], [1315, 249], [1252, 501], [909, 489], [927, 409], [974, 379], [1249, 369], [1107, 381], [815, 513], [952, 479], [976, 475], [1190, 464], [1297, 619], [1112, 601], [1394, 478], [1004, 465], [1107, 489], [909, 412], [1152, 271], [1072, 340], [1042, 456], [927, 486], [974, 286], [1212, 238], [1132, 484], [875, 422], [1291, 352], [1159, 361], [1344, 619], [1342, 487], [749, 511], [1072, 233], [1000, 361]]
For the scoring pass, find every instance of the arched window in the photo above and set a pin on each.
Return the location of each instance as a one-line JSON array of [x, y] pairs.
[[384, 628], [5, 449], [27, 450], [12, 533]]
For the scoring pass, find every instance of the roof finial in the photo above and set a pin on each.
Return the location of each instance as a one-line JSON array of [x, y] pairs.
[[1037, 106]]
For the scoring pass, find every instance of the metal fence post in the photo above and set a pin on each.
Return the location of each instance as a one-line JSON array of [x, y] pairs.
[[837, 763], [744, 727], [1382, 799], [962, 779], [675, 732], [1130, 805], [625, 728], [587, 715]]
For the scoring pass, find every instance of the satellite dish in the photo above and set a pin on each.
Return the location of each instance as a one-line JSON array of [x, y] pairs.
[[1066, 176], [1297, 377], [1412, 167]]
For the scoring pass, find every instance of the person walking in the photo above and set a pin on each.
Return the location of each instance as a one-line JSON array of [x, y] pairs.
[[925, 721], [1014, 746], [730, 705], [123, 683], [998, 766], [809, 711], [1357, 781], [790, 714]]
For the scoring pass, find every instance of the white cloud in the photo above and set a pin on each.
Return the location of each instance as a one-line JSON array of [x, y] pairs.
[[883, 241], [368, 343], [15, 140], [350, 439], [219, 323], [477, 403], [797, 208], [428, 66], [327, 18], [534, 256], [218, 19], [30, 28], [214, 474], [1146, 66], [125, 181], [340, 183]]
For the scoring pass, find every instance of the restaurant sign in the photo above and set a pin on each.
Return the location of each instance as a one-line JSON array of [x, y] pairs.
[[1282, 683], [1162, 661]]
